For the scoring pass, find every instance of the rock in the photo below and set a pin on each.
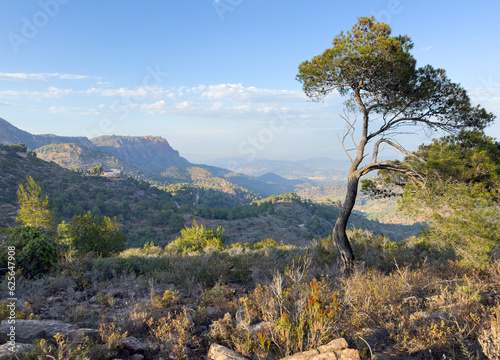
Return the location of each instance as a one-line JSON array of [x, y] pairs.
[[495, 253], [438, 315], [133, 344], [136, 357], [28, 330], [5, 350], [336, 349], [423, 315], [211, 310], [77, 336], [219, 352]]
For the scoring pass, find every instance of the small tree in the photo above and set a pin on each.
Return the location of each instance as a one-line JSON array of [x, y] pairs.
[[388, 92], [34, 206], [90, 233]]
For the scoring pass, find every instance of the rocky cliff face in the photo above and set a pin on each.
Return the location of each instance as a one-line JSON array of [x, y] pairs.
[[142, 152], [9, 134]]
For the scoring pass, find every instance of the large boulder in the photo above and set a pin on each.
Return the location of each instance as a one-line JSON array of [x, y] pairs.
[[219, 352], [28, 330]]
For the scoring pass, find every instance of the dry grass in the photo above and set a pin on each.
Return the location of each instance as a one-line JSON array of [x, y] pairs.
[[398, 304]]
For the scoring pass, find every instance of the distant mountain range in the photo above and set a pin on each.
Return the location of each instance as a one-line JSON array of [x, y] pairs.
[[144, 157], [316, 171]]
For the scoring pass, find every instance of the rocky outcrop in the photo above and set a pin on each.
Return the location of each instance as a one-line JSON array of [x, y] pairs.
[[335, 350], [28, 330], [142, 152]]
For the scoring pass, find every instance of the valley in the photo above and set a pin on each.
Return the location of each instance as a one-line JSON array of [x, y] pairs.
[[158, 192]]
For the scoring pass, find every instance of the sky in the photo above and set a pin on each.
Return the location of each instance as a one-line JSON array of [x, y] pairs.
[[216, 78]]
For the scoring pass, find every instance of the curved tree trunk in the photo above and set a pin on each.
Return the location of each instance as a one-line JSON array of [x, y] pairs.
[[339, 231]]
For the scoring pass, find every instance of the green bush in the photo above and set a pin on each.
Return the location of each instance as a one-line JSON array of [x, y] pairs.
[[90, 233], [198, 238], [36, 253], [264, 243]]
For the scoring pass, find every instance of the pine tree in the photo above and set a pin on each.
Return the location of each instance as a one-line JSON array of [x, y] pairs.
[[34, 206]]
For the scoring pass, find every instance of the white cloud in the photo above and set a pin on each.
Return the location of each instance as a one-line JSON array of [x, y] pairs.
[[42, 77], [73, 110], [232, 102], [142, 92], [52, 92], [155, 108], [8, 104], [237, 92]]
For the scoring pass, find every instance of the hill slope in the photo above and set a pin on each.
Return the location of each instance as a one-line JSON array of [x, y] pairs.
[[76, 156]]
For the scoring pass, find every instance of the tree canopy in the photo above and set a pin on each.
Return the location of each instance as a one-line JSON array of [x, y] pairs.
[[455, 191], [378, 74]]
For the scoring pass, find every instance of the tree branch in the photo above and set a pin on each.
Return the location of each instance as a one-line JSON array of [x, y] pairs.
[[396, 146], [413, 175]]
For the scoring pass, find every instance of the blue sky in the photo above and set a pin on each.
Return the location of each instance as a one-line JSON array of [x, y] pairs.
[[216, 78]]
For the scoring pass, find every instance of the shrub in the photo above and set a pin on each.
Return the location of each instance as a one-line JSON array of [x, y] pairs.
[[265, 243], [490, 337], [36, 253], [198, 238], [90, 233]]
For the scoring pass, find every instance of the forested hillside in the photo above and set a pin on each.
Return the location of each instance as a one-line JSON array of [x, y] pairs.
[[158, 213]]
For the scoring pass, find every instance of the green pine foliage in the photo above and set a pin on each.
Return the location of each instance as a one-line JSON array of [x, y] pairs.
[[455, 191], [34, 206]]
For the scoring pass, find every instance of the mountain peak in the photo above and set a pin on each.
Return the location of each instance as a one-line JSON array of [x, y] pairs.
[[144, 152]]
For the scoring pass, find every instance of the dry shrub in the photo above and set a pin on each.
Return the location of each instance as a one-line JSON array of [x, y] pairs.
[[490, 337], [174, 334], [111, 335], [373, 297], [236, 336], [302, 313], [135, 320]]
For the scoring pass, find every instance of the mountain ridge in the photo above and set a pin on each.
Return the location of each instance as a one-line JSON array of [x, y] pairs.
[[144, 157], [10, 134]]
